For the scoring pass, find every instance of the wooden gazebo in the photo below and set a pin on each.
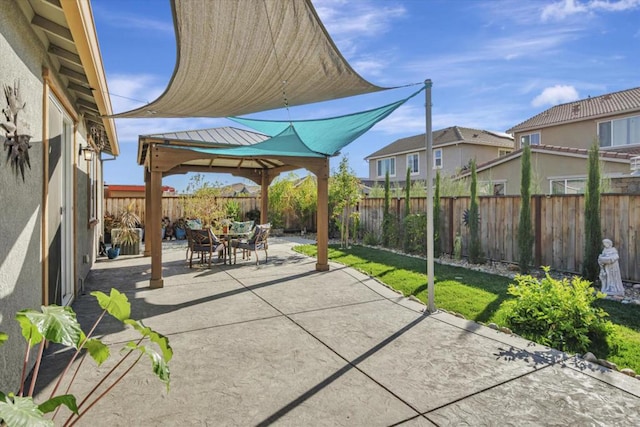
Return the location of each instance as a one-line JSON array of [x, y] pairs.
[[178, 153]]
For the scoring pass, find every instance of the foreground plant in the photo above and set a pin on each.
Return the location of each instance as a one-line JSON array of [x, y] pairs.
[[59, 325], [557, 313]]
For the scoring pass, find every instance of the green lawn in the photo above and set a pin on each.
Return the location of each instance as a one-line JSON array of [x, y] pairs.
[[476, 295]]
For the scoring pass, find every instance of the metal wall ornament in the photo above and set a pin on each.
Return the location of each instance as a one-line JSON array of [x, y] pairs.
[[16, 138]]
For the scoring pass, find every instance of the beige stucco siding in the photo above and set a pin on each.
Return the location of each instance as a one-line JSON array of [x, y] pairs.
[[580, 134], [544, 167], [20, 225]]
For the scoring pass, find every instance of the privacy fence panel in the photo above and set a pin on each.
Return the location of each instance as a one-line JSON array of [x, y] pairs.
[[558, 224], [172, 205]]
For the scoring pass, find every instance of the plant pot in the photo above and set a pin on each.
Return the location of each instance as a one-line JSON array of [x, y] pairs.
[[113, 253], [128, 249], [181, 233]]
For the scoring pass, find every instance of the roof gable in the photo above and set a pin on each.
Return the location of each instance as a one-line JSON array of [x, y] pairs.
[[442, 137], [603, 105]]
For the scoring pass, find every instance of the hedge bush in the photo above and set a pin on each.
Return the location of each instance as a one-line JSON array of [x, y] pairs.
[[557, 313]]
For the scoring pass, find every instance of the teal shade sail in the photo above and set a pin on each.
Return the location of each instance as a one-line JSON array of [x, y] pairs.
[[308, 138]]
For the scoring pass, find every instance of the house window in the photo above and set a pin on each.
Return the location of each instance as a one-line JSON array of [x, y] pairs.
[[503, 152], [384, 165], [412, 163], [492, 188], [437, 158], [568, 186], [530, 139], [619, 132]]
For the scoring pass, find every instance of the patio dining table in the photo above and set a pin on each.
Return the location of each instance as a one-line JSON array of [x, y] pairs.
[[228, 237]]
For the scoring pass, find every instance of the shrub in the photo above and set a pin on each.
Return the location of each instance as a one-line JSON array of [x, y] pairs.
[[557, 313], [415, 236], [55, 324], [370, 238]]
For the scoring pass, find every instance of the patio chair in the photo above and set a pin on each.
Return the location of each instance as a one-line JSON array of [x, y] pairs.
[[259, 241], [205, 243]]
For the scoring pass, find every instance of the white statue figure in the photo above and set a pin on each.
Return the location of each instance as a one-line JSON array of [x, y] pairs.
[[610, 277]]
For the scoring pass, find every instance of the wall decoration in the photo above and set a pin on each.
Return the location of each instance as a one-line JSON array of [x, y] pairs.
[[16, 138]]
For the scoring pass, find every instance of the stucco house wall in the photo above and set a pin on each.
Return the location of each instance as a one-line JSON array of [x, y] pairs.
[[458, 145], [545, 167], [58, 184], [20, 222]]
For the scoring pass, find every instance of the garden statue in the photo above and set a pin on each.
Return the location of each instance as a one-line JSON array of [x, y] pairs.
[[610, 277]]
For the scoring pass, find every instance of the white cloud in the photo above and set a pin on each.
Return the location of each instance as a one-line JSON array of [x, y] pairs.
[[353, 23], [566, 8], [115, 17], [358, 19], [407, 119], [558, 94]]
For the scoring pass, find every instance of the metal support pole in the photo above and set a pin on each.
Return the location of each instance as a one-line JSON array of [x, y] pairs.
[[429, 170]]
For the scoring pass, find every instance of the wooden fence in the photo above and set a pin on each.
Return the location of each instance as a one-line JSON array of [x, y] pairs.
[[558, 227], [171, 205], [172, 208]]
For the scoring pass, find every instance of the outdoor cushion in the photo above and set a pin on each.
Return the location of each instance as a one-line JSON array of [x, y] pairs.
[[194, 224], [238, 227]]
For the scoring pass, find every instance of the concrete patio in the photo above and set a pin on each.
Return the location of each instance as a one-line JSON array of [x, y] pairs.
[[283, 344]]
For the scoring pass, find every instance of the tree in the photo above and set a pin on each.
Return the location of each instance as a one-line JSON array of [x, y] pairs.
[[201, 202], [592, 227], [437, 250], [386, 216], [475, 247], [407, 194], [407, 209], [525, 231], [304, 199], [344, 193]]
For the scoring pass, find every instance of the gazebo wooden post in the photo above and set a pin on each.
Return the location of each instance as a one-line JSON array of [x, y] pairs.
[[155, 217], [148, 238], [264, 196], [322, 221]]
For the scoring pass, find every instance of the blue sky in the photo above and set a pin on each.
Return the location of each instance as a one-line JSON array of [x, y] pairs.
[[493, 64]]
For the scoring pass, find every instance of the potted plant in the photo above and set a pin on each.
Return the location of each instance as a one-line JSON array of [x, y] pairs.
[[180, 228], [128, 235]]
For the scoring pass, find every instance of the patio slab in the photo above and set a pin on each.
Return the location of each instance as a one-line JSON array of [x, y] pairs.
[[282, 344]]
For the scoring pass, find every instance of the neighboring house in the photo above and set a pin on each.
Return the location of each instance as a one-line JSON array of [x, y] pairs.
[[53, 95], [453, 148], [555, 170], [612, 119]]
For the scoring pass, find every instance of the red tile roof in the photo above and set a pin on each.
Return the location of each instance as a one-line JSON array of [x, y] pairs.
[[598, 106]]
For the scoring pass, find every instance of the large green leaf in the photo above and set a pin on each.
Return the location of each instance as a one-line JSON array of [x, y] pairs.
[[3, 338], [161, 340], [158, 364], [117, 304], [98, 351], [22, 412], [68, 400], [29, 330], [57, 324]]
